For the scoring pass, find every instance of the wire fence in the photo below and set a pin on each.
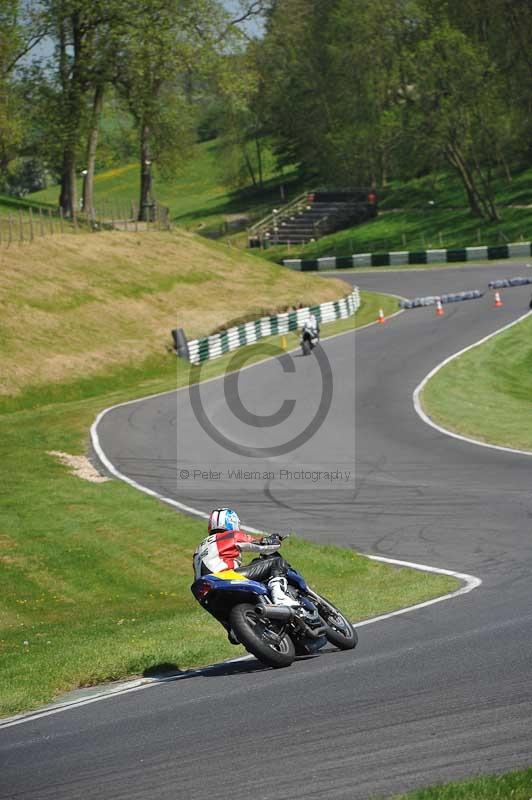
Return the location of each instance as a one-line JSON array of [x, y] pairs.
[[33, 222]]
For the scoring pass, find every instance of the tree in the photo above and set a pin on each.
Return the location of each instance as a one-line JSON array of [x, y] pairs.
[[330, 75], [241, 124], [296, 91], [171, 46], [455, 111], [78, 27], [20, 31], [101, 72]]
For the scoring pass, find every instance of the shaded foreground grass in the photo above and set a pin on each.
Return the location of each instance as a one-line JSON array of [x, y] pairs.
[[485, 393], [96, 576], [512, 786]]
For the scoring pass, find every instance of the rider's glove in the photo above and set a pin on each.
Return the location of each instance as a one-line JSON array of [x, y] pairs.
[[273, 540]]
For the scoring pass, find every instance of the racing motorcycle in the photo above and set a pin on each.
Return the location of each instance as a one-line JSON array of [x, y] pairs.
[[274, 634], [309, 339]]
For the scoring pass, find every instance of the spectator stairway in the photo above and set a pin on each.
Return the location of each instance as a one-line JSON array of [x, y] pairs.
[[314, 215]]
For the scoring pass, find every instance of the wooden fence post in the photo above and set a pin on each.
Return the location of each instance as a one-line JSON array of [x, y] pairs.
[[10, 224], [31, 224], [61, 219], [51, 221], [41, 224], [20, 226]]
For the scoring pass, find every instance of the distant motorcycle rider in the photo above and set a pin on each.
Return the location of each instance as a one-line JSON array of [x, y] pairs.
[[222, 550], [313, 323]]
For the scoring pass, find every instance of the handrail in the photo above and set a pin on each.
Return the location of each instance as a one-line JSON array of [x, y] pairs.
[[277, 216]]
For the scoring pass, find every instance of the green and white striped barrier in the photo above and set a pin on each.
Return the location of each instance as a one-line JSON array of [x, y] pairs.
[[219, 343], [400, 257]]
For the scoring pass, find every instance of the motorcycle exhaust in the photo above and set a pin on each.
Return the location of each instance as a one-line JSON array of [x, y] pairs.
[[315, 632], [276, 613]]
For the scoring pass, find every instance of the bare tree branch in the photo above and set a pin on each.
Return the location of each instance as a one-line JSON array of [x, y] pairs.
[[33, 42]]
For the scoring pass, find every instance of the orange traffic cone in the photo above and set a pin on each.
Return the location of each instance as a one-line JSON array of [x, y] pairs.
[[439, 308], [381, 318], [498, 302]]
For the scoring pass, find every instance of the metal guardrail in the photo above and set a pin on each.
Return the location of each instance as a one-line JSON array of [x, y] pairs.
[[218, 344]]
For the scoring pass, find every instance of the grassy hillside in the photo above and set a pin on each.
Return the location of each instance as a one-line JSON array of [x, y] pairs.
[[197, 197], [425, 213], [417, 214], [80, 305], [415, 230]]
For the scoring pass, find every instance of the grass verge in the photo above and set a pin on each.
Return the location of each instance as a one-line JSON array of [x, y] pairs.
[[79, 305], [515, 785], [96, 576], [485, 393]]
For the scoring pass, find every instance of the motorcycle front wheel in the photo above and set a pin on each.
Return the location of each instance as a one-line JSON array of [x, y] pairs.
[[339, 631], [260, 638]]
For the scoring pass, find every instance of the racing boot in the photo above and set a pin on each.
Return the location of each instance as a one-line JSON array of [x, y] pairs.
[[277, 588]]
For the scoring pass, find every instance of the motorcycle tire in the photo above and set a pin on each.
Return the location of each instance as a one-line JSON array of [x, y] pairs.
[[339, 631], [306, 347], [252, 631]]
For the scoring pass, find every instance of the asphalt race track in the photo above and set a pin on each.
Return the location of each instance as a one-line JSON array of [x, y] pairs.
[[438, 694]]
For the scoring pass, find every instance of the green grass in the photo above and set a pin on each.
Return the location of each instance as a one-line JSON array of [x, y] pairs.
[[512, 786], [12, 205], [197, 197], [486, 393], [96, 577], [408, 221], [445, 190], [414, 230]]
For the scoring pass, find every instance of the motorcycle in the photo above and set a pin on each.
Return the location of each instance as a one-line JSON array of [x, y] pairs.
[[274, 634], [309, 339]]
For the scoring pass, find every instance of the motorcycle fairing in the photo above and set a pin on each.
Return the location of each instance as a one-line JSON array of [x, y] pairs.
[[222, 580], [229, 575], [297, 580]]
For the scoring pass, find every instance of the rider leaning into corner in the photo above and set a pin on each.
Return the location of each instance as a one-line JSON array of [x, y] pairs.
[[223, 548], [312, 324]]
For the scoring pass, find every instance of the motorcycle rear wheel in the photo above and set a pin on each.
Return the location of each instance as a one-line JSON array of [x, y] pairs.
[[252, 631], [339, 631], [306, 347]]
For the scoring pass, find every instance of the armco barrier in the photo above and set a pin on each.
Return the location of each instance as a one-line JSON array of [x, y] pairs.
[[396, 259], [417, 302], [214, 346]]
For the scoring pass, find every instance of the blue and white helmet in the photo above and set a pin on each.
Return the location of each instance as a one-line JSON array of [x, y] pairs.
[[223, 519]]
